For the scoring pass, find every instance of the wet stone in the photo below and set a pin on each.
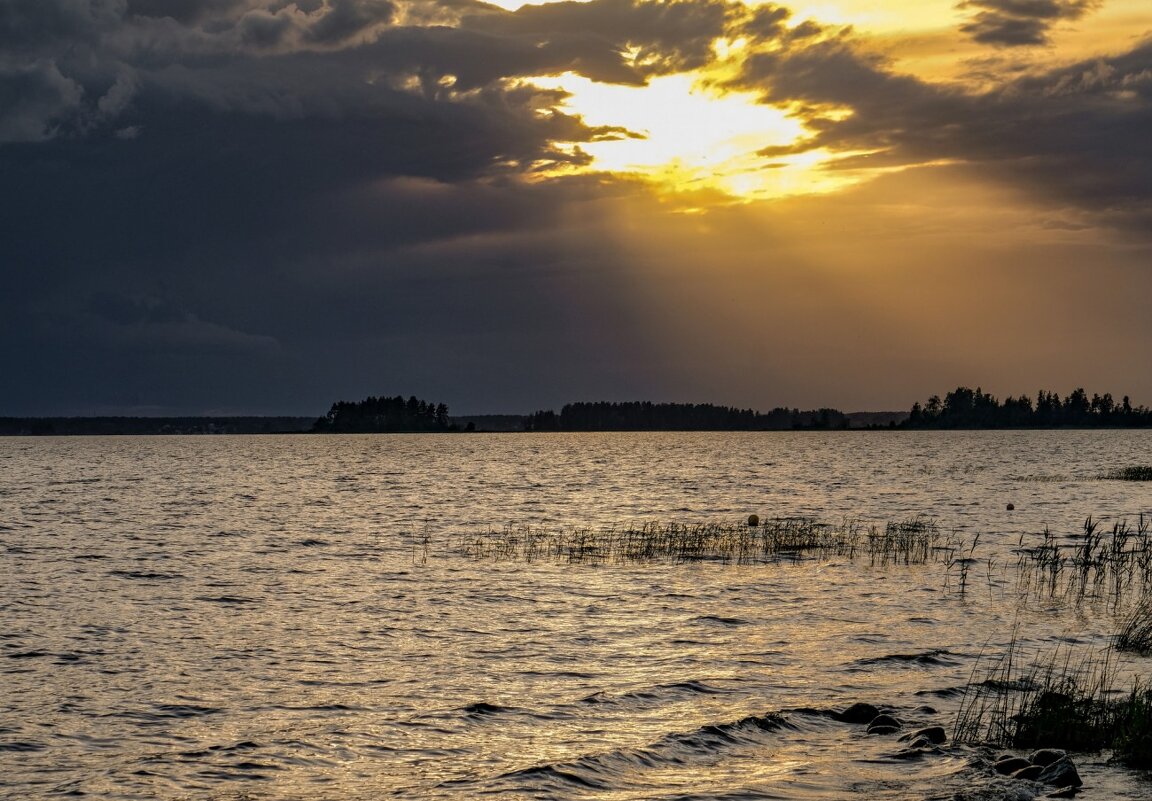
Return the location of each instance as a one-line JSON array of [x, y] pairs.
[[1046, 756], [933, 734], [883, 729], [1030, 773], [1061, 773], [1009, 765], [1063, 792], [859, 713], [887, 721]]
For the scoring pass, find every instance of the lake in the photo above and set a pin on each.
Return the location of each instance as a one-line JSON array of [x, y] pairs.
[[292, 617]]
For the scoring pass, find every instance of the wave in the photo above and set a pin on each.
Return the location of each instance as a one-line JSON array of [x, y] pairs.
[[727, 621], [604, 771], [936, 657], [658, 693]]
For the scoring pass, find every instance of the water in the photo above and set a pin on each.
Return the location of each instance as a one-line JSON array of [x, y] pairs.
[[284, 617]]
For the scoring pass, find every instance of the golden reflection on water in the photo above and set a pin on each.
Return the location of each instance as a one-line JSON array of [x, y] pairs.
[[267, 630]]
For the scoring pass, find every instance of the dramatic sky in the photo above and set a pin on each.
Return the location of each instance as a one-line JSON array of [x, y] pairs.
[[260, 206]]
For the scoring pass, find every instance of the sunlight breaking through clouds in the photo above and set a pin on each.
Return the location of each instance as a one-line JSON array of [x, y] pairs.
[[685, 136]]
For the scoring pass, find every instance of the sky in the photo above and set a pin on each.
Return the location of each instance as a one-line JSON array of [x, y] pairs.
[[263, 206]]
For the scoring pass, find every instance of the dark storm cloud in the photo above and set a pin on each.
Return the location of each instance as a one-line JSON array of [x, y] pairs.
[[618, 39], [1076, 134], [185, 11], [32, 98], [1014, 23], [209, 202]]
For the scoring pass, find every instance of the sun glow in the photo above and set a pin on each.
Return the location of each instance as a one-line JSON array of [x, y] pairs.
[[685, 136]]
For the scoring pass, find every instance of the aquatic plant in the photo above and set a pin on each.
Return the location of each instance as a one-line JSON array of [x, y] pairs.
[[1062, 701], [1136, 633], [1131, 473], [1109, 565], [910, 541]]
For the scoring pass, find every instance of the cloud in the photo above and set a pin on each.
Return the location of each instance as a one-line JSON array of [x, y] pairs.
[[1021, 23], [232, 201], [617, 40], [34, 100], [1077, 134]]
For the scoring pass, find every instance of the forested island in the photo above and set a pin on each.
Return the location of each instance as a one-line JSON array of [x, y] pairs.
[[383, 414], [974, 408]]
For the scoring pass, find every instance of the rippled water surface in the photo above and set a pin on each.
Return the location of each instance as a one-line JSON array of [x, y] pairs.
[[287, 617]]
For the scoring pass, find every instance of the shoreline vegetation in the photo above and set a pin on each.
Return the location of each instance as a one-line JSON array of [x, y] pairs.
[[963, 408]]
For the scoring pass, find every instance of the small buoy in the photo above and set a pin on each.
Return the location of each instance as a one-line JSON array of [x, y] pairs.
[[753, 520], [1011, 506]]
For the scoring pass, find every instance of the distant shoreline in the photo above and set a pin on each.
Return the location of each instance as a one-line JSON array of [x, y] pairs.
[[88, 426]]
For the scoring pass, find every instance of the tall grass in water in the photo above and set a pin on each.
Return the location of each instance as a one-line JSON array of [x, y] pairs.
[[1060, 702], [1113, 565], [1136, 633], [1063, 701], [909, 541], [1132, 473]]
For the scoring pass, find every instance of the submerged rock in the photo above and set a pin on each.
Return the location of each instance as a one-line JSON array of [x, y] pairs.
[[933, 734], [1063, 792], [884, 724], [1046, 756], [1008, 766], [1030, 773], [858, 713], [1061, 773]]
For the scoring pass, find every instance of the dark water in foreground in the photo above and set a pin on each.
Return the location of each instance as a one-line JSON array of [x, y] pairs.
[[284, 617]]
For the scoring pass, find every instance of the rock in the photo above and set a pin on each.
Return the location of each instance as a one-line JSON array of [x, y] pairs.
[[753, 520], [1030, 773], [858, 713], [1063, 792], [883, 729], [1011, 507], [1046, 756], [1061, 773], [884, 720], [933, 734], [1010, 765], [907, 754], [919, 744]]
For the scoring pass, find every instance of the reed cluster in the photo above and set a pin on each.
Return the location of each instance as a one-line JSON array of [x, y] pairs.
[[1113, 565], [787, 538], [1062, 701], [1131, 473]]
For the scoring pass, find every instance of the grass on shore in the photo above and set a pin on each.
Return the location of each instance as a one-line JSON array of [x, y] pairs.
[[1062, 701]]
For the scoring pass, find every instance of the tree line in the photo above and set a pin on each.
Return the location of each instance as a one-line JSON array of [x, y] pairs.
[[383, 414], [649, 416], [974, 408]]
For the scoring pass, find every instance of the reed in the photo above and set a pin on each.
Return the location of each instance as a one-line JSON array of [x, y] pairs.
[[1063, 700], [910, 541], [1130, 473], [1096, 564], [1136, 633]]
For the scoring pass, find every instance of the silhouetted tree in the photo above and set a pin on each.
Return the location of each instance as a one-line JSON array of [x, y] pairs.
[[967, 408]]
